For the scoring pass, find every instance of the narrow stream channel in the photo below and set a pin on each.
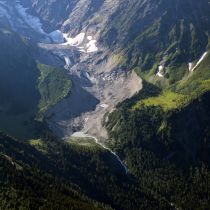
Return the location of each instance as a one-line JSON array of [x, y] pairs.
[[83, 135]]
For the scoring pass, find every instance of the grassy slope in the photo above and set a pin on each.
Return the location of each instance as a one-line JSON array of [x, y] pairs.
[[182, 92], [167, 100], [54, 85]]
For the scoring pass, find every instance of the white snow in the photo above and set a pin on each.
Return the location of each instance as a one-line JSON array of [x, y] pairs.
[[89, 38], [91, 46], [160, 71], [82, 50], [90, 43], [85, 44], [77, 41], [67, 61], [20, 20], [88, 76], [104, 105], [199, 61], [190, 66], [159, 75], [80, 42]]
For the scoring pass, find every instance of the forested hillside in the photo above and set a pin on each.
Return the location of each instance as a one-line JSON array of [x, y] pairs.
[[164, 139], [151, 151], [57, 175]]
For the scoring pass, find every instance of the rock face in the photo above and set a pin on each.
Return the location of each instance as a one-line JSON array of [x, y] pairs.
[[106, 40], [99, 80], [53, 13], [98, 88], [148, 32], [73, 16], [126, 19]]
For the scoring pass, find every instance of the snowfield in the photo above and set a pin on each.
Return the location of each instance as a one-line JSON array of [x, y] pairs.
[[20, 20], [83, 43], [105, 106], [67, 62], [160, 71], [91, 46], [191, 68], [77, 41]]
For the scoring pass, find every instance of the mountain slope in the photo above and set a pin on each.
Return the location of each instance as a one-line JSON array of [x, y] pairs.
[[72, 170], [168, 151], [161, 133], [25, 187], [159, 39], [18, 85], [148, 35], [23, 94]]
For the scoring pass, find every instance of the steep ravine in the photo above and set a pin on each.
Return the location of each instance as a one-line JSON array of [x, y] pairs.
[[97, 88], [99, 84], [83, 135]]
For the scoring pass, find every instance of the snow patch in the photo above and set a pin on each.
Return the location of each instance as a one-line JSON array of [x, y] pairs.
[[20, 19], [89, 38], [160, 71], [199, 61], [67, 61], [104, 106], [83, 43], [77, 41], [91, 46], [190, 66], [88, 76]]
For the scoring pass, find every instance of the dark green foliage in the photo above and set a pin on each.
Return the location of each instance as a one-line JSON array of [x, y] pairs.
[[54, 85], [27, 89], [18, 75], [168, 152], [65, 175], [18, 93], [28, 181]]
